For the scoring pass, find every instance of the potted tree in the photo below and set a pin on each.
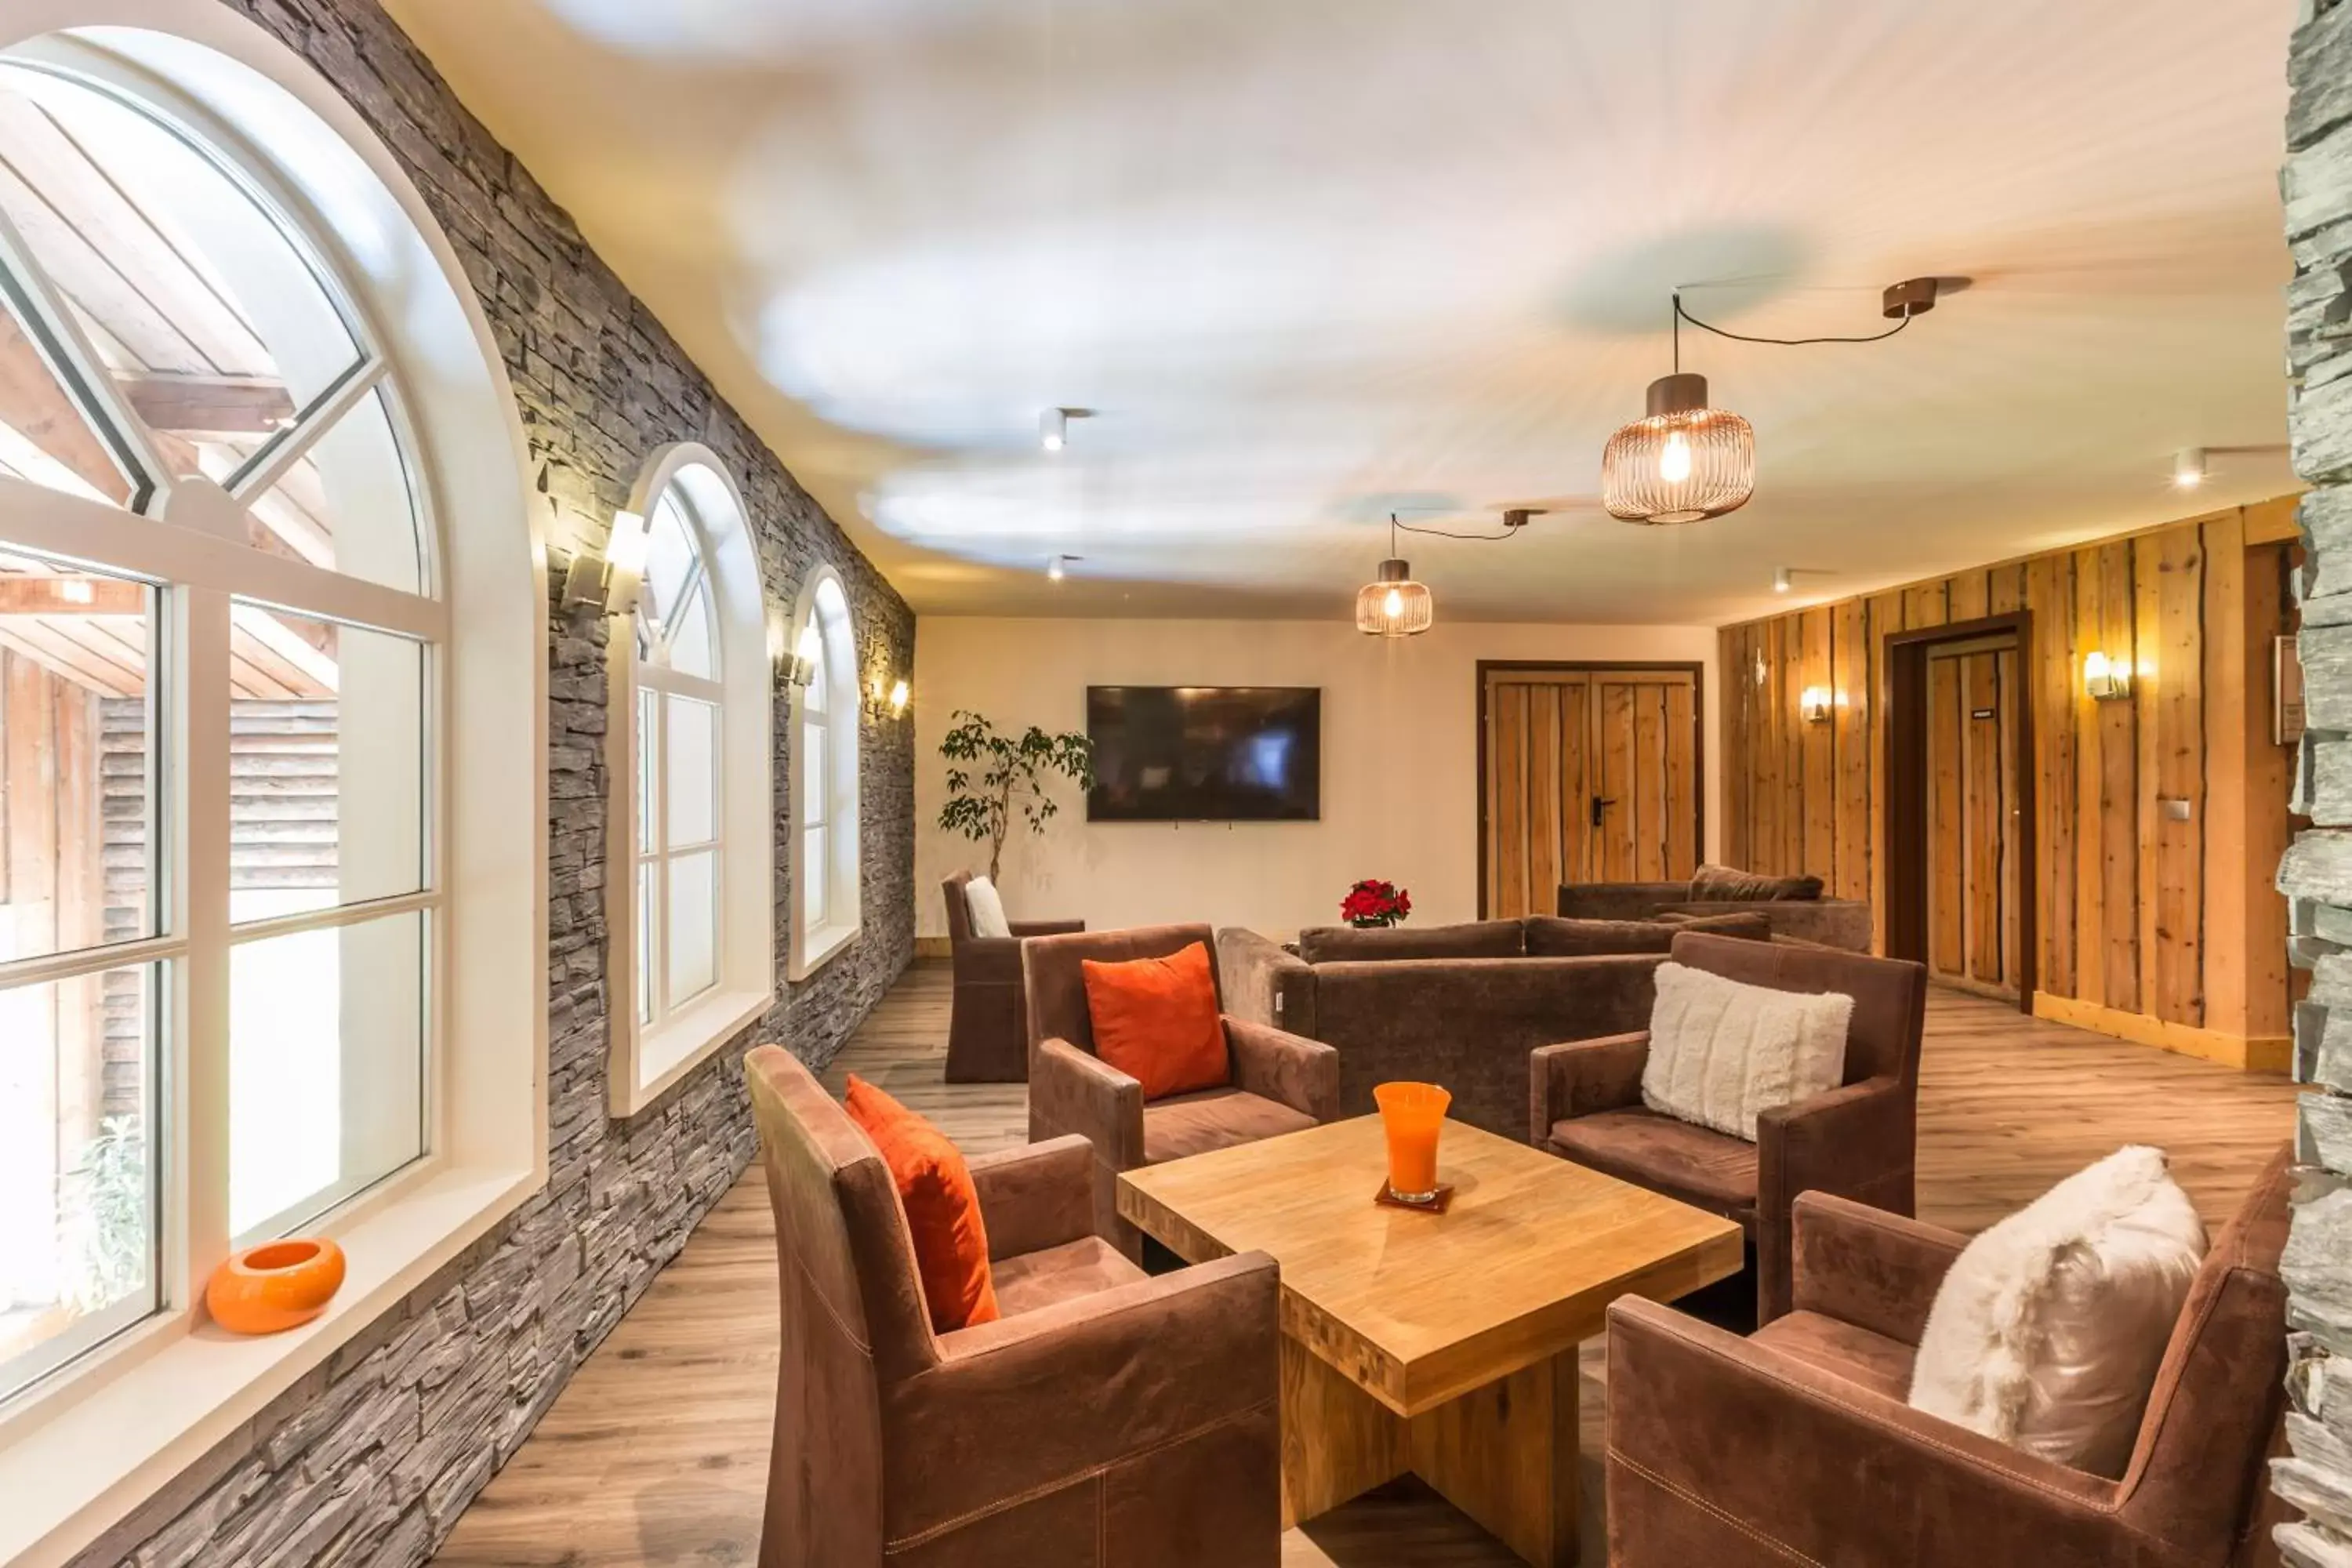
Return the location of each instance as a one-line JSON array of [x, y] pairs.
[[994, 778]]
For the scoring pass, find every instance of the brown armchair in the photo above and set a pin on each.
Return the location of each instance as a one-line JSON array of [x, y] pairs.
[[1795, 1446], [1859, 1141], [1084, 1425], [1281, 1083], [987, 1040]]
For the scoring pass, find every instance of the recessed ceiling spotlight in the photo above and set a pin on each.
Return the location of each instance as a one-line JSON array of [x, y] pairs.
[[2189, 468], [1054, 426]]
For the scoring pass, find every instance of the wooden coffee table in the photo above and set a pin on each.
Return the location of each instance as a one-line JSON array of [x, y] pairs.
[[1444, 1344]]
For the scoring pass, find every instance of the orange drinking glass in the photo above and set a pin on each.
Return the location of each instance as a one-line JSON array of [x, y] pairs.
[[1411, 1114]]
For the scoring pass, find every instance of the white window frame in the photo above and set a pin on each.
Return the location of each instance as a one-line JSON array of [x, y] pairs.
[[823, 603], [82, 1448], [649, 1056]]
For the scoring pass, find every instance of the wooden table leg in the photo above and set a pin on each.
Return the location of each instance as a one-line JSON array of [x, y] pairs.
[[1337, 1440], [1506, 1454]]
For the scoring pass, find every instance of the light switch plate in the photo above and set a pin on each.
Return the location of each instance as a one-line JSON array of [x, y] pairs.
[[2176, 810]]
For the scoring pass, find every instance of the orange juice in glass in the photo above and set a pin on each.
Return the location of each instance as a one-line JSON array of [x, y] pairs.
[[1411, 1114]]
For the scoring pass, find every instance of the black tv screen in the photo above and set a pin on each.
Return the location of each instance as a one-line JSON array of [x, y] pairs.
[[1206, 753]]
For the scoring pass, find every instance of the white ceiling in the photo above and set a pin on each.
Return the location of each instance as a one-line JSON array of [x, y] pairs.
[[1315, 259]]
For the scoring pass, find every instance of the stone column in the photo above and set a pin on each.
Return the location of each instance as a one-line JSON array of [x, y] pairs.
[[2316, 874]]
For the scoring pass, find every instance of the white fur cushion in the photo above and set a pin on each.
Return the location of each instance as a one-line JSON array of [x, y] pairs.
[[986, 909], [1721, 1052], [2048, 1330]]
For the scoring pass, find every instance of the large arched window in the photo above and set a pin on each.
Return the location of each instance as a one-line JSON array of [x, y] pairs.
[[825, 774], [691, 779], [271, 738]]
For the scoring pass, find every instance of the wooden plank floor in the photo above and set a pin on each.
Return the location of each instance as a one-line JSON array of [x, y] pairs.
[[656, 1454]]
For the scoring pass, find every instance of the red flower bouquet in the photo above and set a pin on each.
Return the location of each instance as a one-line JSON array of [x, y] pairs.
[[1375, 903]]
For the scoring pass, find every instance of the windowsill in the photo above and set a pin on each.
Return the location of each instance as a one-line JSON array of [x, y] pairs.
[[818, 948], [683, 1042], [81, 1459]]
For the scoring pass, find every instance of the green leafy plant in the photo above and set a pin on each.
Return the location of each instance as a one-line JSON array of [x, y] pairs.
[[107, 1244], [996, 777]]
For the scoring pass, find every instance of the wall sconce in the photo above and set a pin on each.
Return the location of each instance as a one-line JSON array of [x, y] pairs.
[[802, 671], [2106, 681], [893, 706], [610, 582], [1814, 704]]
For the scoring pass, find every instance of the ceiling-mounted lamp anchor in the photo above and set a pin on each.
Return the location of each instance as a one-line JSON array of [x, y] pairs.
[[1911, 297], [1516, 517]]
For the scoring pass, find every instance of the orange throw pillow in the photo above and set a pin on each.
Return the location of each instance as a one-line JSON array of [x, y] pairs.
[[942, 1208], [1156, 1020]]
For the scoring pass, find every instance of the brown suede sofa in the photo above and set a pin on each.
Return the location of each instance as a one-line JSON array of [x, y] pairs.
[[1793, 913], [1280, 1083], [1796, 1445], [1859, 1141], [1461, 1005], [896, 1444], [988, 1038]]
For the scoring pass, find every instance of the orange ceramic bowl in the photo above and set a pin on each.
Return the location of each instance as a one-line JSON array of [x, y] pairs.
[[276, 1285]]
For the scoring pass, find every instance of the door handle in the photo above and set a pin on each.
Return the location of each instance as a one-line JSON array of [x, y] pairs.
[[1598, 805]]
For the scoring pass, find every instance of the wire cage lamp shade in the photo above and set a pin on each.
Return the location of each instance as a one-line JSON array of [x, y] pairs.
[[1394, 605], [1683, 462]]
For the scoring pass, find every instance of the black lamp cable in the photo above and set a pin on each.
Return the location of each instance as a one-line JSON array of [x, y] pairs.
[[1681, 315]]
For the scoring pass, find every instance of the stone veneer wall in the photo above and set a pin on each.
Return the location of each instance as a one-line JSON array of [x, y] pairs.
[[369, 1459], [2317, 872]]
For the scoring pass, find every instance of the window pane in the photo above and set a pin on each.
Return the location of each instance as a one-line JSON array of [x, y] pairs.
[[813, 770], [326, 1067], [648, 939], [813, 698], [670, 559], [76, 758], [690, 785], [346, 505], [816, 877], [210, 317], [648, 774], [77, 1190], [693, 925], [44, 434], [326, 763], [690, 652]]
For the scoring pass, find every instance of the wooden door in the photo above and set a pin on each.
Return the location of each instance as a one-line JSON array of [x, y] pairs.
[[1590, 775], [1973, 822]]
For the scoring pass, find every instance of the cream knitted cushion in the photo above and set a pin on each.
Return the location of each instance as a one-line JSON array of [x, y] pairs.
[[2047, 1332], [1721, 1051]]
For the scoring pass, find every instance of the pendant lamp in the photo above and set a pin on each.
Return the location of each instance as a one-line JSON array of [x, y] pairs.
[[1683, 462], [1393, 604]]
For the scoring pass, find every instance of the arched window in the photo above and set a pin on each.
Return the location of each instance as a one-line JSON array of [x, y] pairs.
[[259, 707], [825, 774], [692, 835]]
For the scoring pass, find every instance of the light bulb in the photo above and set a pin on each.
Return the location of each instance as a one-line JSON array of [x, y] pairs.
[[1053, 430], [1675, 462], [898, 697], [1392, 606], [625, 551], [76, 591], [1055, 572]]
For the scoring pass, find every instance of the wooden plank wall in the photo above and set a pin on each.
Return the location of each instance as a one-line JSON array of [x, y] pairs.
[[2148, 925]]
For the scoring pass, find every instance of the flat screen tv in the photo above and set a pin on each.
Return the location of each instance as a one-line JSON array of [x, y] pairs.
[[1206, 753]]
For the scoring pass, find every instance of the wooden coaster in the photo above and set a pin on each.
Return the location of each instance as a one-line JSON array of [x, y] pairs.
[[1436, 1205]]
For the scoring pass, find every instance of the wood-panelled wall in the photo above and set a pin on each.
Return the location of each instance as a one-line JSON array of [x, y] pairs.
[[2155, 928]]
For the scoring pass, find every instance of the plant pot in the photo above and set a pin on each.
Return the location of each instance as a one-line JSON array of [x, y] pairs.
[[1374, 922], [274, 1286]]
